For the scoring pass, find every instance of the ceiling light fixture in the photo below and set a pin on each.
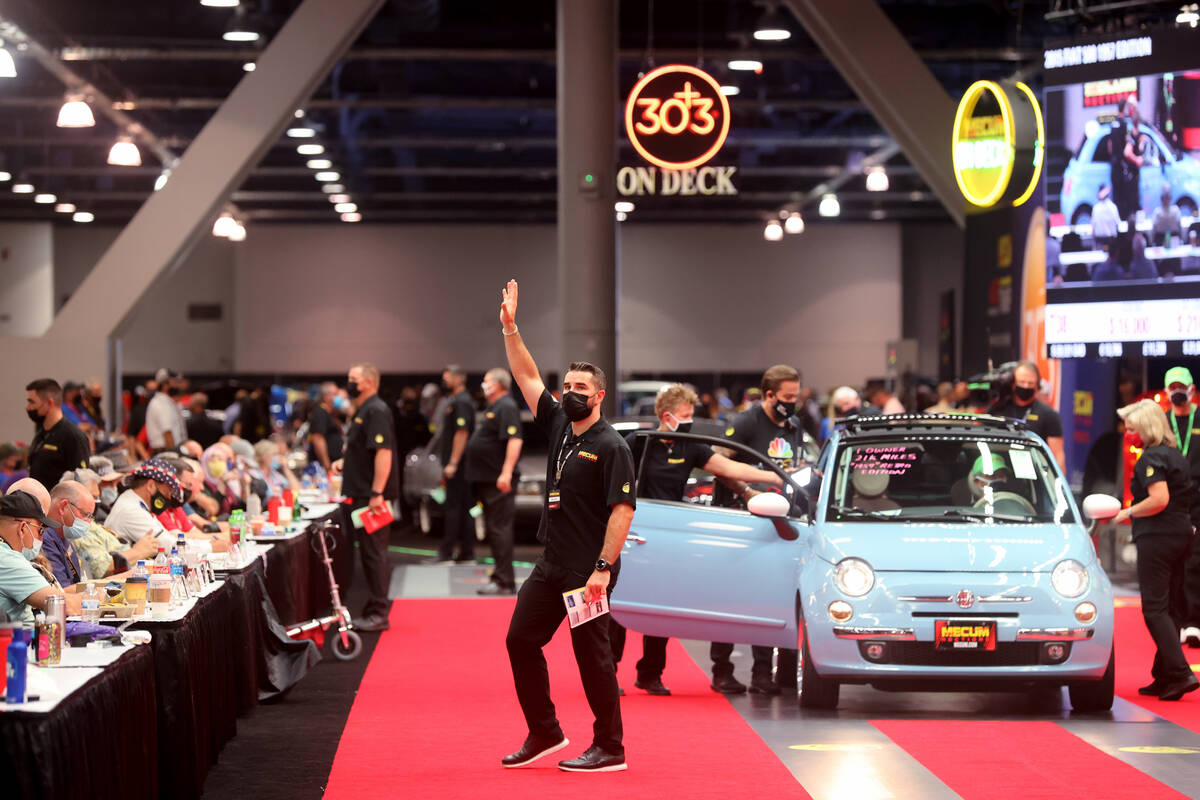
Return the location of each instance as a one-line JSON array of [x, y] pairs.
[[239, 29], [319, 163], [75, 113], [8, 67], [623, 205], [877, 179], [249, 66], [65, 208], [162, 179], [45, 199], [224, 226], [794, 223], [622, 216], [773, 232], [5, 176], [22, 188], [301, 133], [310, 149], [745, 65], [353, 216], [220, 3], [238, 232], [345, 208], [878, 213], [829, 207], [327, 177], [729, 90], [772, 27], [83, 216], [1188, 15], [125, 153], [339, 198], [333, 188]]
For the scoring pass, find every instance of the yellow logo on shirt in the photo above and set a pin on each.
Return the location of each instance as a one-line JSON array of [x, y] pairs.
[[512, 430], [358, 420], [729, 431], [379, 438], [1031, 416], [1149, 471], [49, 447], [676, 460], [490, 415], [588, 456], [461, 422], [625, 488]]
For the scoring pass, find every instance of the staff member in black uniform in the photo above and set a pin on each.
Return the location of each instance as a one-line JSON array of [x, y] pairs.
[[1039, 417], [58, 446], [770, 428], [456, 425], [588, 507], [492, 453], [1181, 418], [1162, 532], [664, 473], [324, 431], [369, 479]]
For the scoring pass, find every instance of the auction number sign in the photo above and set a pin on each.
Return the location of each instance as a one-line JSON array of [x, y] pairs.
[[676, 117], [998, 143]]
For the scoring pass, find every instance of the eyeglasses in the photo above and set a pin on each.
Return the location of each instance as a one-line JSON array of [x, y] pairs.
[[38, 528], [79, 512]]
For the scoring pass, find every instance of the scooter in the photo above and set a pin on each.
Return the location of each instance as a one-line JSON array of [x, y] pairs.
[[348, 644]]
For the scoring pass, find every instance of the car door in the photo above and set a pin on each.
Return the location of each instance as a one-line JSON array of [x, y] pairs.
[[714, 574]]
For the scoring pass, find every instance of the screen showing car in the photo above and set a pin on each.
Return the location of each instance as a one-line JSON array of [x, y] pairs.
[[1122, 183], [946, 478]]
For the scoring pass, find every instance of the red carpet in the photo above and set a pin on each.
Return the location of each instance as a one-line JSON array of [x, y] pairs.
[[436, 710], [1003, 760], [1135, 654]]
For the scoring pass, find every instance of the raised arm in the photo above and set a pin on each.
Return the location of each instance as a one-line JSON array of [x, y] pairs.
[[520, 362]]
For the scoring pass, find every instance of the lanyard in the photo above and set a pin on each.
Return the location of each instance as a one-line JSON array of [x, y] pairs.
[[564, 454], [1183, 443]]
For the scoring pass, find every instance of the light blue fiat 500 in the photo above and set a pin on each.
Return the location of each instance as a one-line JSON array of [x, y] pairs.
[[918, 553]]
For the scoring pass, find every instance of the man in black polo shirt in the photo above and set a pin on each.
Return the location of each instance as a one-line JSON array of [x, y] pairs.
[[492, 453], [664, 466], [324, 431], [456, 425], [588, 507], [369, 479], [1185, 424], [1039, 417], [57, 445]]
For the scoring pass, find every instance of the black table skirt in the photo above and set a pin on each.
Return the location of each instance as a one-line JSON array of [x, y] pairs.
[[101, 742], [343, 563], [288, 583]]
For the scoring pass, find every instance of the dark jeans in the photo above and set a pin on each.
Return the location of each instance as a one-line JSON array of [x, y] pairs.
[[1191, 584], [458, 533], [654, 652], [789, 659], [1160, 559], [499, 509], [373, 550], [539, 613]]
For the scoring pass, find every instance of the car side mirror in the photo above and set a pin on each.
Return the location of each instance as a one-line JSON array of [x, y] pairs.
[[1101, 507], [769, 504]]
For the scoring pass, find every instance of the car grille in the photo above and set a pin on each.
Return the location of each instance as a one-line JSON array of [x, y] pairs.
[[923, 654]]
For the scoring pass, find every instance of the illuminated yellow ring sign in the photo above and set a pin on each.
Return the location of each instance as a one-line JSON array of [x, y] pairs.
[[676, 117], [997, 145]]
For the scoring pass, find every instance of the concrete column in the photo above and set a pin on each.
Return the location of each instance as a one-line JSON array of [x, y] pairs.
[[587, 266]]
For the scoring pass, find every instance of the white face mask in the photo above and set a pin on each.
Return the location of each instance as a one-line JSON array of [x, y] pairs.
[[30, 553], [108, 495]]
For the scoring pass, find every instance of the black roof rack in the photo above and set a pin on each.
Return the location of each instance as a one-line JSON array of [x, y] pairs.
[[863, 424]]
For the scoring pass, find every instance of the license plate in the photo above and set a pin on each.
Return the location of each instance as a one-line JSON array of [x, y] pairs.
[[964, 634]]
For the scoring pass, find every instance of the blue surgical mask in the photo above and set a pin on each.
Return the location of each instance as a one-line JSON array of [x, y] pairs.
[[77, 529], [31, 553], [108, 496], [340, 403]]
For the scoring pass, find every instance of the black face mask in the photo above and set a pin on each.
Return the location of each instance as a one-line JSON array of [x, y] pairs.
[[1178, 398], [684, 427], [1024, 393], [352, 389], [784, 410], [575, 405], [35, 415], [172, 391], [159, 503]]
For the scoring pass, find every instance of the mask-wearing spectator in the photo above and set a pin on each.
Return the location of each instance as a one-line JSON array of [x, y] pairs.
[[165, 428]]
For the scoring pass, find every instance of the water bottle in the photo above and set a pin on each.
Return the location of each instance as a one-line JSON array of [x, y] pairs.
[[56, 626], [179, 592], [234, 556], [306, 481], [159, 591], [18, 655], [253, 505], [91, 603]]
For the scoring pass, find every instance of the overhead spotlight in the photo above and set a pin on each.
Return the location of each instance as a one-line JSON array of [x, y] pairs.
[[301, 133], [622, 216], [45, 199], [623, 205], [8, 67], [238, 232], [327, 177], [125, 153], [240, 30], [878, 213], [877, 179], [224, 226], [319, 163], [333, 188], [22, 188], [65, 208], [298, 113], [310, 149], [83, 216], [729, 90], [219, 3], [339, 198], [745, 65], [773, 232], [5, 176], [829, 207], [772, 27], [353, 216], [75, 113], [1188, 15], [345, 208], [249, 66], [162, 179], [794, 223]]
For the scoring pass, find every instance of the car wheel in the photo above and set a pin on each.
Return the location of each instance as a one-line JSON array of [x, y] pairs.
[[1082, 216], [425, 517], [1096, 695], [815, 691], [1187, 207]]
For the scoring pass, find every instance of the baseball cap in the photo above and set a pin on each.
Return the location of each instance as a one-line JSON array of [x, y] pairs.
[[165, 374], [23, 505], [103, 467], [159, 471], [1178, 375], [997, 464]]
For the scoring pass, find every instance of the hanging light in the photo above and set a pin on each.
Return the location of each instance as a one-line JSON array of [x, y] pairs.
[[8, 67], [75, 113], [333, 188], [339, 198], [745, 65], [22, 187], [318, 163], [45, 199], [1188, 15], [65, 208], [877, 179], [878, 213], [162, 179], [353, 216], [301, 133], [219, 3], [829, 207], [310, 149], [345, 208], [794, 223], [249, 66], [773, 232], [772, 27], [224, 226], [238, 232], [327, 177], [125, 153], [239, 29], [622, 216], [83, 216], [729, 90], [5, 176], [623, 205]]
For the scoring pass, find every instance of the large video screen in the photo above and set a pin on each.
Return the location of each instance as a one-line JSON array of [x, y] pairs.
[[1122, 186]]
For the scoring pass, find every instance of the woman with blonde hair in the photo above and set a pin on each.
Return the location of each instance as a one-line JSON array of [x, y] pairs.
[[1162, 532]]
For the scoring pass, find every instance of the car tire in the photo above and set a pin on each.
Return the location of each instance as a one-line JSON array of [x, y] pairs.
[[1082, 215], [815, 691], [1096, 695], [1187, 207], [425, 516]]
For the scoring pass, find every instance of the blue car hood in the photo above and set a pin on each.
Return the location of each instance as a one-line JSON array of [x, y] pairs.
[[952, 547]]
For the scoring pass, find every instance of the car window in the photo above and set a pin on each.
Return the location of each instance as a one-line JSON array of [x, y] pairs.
[[1101, 151], [939, 476]]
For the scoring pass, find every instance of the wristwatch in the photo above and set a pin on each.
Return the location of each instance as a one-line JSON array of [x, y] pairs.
[[376, 494], [602, 565]]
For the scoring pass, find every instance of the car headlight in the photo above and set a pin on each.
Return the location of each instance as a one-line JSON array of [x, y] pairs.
[[1070, 578], [854, 576]]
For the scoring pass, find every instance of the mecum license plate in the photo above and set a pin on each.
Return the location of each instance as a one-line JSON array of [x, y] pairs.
[[964, 634]]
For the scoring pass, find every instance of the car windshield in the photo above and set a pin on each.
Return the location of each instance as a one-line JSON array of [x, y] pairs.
[[944, 477]]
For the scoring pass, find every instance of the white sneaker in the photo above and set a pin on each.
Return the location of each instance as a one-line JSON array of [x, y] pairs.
[[1190, 636]]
